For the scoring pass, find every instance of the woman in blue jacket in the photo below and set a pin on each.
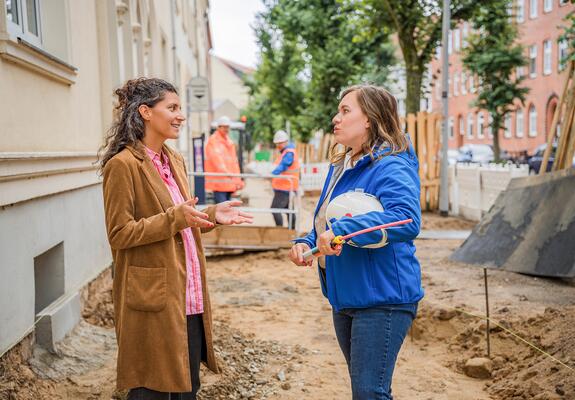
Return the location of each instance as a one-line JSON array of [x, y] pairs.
[[374, 292]]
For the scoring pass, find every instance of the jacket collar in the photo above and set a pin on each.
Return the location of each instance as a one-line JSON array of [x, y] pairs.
[[154, 179]]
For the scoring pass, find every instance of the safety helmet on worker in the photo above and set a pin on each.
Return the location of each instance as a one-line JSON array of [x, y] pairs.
[[281, 136], [223, 121], [352, 204]]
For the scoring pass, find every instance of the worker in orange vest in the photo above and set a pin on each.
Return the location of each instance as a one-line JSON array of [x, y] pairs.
[[287, 164], [221, 157]]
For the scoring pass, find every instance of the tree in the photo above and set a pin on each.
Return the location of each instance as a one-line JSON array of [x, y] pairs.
[[310, 50], [493, 55], [417, 24]]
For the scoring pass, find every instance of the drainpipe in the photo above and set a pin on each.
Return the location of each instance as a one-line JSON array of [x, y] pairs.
[[174, 58]]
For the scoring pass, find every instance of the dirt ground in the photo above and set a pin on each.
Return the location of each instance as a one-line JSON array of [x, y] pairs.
[[275, 339]]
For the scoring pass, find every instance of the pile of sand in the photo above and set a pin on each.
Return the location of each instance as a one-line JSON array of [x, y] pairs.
[[519, 371]]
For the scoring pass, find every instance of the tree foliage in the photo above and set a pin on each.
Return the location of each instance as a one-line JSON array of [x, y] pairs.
[[494, 56], [310, 50], [417, 24]]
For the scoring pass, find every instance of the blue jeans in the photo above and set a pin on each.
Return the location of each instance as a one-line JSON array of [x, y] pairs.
[[370, 339], [220, 197]]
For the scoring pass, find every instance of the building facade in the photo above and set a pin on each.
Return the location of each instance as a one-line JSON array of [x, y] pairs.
[[60, 61], [527, 126], [230, 95]]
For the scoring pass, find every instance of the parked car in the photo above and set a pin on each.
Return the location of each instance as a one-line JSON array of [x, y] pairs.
[[536, 159], [475, 153], [452, 156]]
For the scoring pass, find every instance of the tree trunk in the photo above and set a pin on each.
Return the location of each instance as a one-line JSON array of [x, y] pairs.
[[413, 79], [495, 127]]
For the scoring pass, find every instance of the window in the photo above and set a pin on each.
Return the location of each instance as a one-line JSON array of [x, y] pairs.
[[470, 125], [471, 84], [532, 121], [480, 123], [463, 83], [24, 20], [461, 126], [507, 126], [438, 52], [449, 87], [456, 84], [464, 34], [562, 53], [519, 125], [457, 39], [437, 90], [450, 128], [533, 61], [520, 72], [547, 5], [449, 42], [520, 11], [547, 57], [533, 8], [563, 2], [489, 126]]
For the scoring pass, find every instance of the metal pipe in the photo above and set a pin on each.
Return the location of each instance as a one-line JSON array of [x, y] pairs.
[[443, 184]]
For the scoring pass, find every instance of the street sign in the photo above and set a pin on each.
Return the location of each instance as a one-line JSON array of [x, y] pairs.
[[198, 94]]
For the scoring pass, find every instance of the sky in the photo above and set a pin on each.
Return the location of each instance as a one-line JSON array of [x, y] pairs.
[[232, 36]]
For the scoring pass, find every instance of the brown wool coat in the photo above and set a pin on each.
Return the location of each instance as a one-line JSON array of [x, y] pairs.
[[149, 289]]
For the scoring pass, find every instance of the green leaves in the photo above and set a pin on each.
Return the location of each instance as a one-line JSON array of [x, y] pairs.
[[310, 50], [493, 55]]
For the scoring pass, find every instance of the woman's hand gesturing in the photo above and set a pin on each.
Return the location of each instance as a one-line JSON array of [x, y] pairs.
[[196, 218], [228, 214]]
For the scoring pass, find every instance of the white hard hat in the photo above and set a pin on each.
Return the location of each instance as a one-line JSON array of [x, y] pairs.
[[224, 121], [281, 136], [351, 204]]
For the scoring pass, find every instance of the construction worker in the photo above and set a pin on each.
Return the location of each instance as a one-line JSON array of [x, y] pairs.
[[221, 157], [287, 164]]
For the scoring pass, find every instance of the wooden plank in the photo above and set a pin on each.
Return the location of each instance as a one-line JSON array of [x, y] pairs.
[[411, 130], [421, 147], [570, 148], [556, 119], [566, 128], [239, 237]]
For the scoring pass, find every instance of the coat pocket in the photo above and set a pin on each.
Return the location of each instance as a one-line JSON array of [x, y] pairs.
[[146, 288]]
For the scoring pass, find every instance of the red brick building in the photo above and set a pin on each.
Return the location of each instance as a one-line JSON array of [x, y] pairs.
[[539, 24]]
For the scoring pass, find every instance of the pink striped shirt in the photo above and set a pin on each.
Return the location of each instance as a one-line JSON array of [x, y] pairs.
[[194, 296]]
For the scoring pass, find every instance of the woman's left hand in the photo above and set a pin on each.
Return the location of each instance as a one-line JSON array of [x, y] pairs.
[[228, 214], [324, 244]]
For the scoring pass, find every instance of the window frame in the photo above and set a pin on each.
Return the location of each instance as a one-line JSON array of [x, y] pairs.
[[480, 125], [533, 11], [21, 29], [519, 116], [520, 11], [533, 60], [547, 6], [562, 49], [507, 126], [470, 125], [547, 56], [532, 131]]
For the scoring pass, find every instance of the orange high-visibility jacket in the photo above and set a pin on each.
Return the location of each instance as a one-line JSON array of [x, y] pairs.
[[221, 157], [293, 170]]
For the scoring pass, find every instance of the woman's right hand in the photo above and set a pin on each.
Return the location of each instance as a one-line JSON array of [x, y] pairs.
[[296, 255], [194, 217]]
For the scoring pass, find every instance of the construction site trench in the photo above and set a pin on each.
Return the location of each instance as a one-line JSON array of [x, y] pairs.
[[275, 339]]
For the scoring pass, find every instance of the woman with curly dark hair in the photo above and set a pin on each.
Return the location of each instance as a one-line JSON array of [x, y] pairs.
[[161, 302]]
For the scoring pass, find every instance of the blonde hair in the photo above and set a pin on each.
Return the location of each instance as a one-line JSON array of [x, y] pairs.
[[380, 108]]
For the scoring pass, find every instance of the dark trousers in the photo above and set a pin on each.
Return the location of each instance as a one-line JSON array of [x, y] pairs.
[[220, 197], [195, 348], [281, 200], [370, 339]]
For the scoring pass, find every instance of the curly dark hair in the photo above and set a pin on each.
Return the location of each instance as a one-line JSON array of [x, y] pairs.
[[128, 126]]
